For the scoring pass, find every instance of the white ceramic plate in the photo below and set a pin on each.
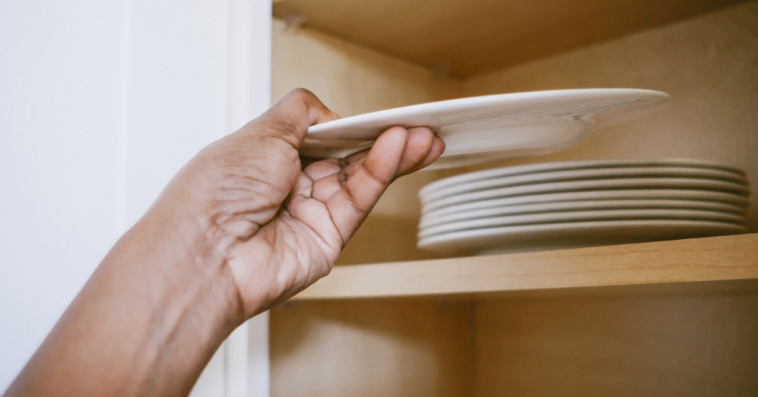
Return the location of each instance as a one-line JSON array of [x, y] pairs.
[[581, 216], [429, 220], [488, 128], [596, 184], [573, 235], [577, 175], [647, 194], [573, 165]]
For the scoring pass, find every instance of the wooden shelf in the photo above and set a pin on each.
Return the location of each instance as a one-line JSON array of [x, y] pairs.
[[692, 260], [466, 38]]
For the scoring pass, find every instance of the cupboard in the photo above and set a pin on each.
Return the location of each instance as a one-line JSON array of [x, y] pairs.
[[663, 318]]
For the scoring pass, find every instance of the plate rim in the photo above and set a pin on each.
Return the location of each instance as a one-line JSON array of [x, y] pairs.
[[447, 238], [582, 175], [541, 167], [427, 220], [708, 195], [591, 185], [579, 216], [475, 101]]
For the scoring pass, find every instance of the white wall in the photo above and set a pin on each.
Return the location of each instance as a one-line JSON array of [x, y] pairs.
[[100, 104]]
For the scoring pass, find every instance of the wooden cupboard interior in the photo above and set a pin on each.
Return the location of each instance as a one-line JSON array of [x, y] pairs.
[[465, 38], [664, 318]]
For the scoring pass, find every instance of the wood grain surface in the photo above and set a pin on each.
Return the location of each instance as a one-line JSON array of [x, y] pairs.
[[465, 38], [703, 259]]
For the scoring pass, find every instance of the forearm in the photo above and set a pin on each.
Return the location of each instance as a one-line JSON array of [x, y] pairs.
[[175, 306]]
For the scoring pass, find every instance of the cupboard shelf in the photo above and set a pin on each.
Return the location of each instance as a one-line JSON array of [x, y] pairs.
[[691, 260]]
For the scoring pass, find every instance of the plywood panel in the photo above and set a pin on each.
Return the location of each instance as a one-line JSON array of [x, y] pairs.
[[690, 344], [372, 348], [709, 65], [348, 78], [706, 259], [470, 37], [384, 239]]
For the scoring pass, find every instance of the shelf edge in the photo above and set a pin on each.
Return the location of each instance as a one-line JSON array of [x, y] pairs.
[[691, 260]]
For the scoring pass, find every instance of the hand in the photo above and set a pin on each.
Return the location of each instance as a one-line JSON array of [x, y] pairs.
[[279, 228], [240, 228]]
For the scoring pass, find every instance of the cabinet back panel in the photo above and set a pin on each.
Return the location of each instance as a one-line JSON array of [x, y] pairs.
[[688, 344]]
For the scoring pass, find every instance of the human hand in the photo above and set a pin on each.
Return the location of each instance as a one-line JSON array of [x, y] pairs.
[[277, 227], [241, 227]]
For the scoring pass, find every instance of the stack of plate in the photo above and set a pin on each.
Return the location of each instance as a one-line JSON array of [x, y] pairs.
[[579, 204]]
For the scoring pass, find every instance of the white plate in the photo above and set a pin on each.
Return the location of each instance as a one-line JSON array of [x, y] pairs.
[[647, 194], [574, 165], [577, 175], [573, 235], [581, 216], [597, 184], [429, 220], [487, 128]]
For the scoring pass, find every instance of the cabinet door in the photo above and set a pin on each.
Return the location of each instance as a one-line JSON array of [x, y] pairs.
[[100, 104]]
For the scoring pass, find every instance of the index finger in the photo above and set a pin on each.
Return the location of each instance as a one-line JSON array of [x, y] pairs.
[[351, 204]]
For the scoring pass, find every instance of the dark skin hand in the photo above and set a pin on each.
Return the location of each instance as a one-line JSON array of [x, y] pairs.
[[239, 229]]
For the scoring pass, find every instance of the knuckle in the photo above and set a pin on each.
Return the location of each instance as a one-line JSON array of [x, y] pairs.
[[301, 93]]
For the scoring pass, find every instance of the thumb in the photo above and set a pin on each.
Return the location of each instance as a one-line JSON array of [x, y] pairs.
[[290, 117]]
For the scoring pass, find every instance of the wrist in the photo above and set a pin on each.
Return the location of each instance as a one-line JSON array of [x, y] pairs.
[[181, 250], [185, 286]]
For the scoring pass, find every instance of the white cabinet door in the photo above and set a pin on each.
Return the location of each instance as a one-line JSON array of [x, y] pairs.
[[62, 68], [100, 104]]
